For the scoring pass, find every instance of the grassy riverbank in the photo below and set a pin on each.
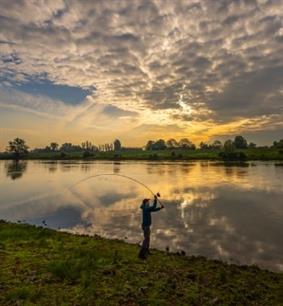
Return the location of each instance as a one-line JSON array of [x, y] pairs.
[[44, 267], [249, 154]]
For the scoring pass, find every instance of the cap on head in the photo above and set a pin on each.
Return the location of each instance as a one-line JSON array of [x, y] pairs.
[[145, 201]]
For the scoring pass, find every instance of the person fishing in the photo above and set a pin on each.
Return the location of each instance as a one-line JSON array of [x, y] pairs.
[[147, 209]]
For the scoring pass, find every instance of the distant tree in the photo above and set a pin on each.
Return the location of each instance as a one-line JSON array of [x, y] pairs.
[[156, 145], [252, 145], [230, 154], [149, 145], [278, 144], [66, 147], [240, 142], [54, 146], [185, 143], [172, 143], [18, 147], [87, 146], [216, 144], [203, 146], [117, 145], [159, 145], [69, 147], [229, 146]]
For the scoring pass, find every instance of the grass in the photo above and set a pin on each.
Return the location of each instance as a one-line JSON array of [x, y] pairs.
[[180, 154], [39, 266]]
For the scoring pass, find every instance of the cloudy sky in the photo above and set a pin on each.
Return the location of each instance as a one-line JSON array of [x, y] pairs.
[[140, 69]]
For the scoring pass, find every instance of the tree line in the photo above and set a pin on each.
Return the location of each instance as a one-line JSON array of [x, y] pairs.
[[239, 142], [19, 147]]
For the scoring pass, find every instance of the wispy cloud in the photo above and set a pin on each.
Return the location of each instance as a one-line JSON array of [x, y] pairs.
[[223, 59]]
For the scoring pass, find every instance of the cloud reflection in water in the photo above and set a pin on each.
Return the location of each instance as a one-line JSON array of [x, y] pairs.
[[234, 213]]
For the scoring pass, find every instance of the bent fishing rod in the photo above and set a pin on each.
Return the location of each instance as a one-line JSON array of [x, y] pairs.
[[98, 175], [121, 175]]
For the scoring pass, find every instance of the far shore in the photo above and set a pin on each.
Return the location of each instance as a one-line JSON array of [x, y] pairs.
[[264, 154]]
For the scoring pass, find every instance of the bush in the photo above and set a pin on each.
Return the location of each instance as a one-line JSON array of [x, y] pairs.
[[87, 154], [153, 156], [117, 156], [63, 154], [233, 156]]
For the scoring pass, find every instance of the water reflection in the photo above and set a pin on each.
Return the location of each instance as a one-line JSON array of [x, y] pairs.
[[51, 166], [233, 213], [15, 169], [116, 167]]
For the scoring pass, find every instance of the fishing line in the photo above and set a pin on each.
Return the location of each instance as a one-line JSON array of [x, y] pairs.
[[54, 194], [114, 174]]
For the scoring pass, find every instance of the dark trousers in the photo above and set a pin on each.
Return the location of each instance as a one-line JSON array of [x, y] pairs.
[[146, 237]]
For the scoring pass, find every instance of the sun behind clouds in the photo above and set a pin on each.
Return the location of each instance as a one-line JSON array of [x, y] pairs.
[[137, 70]]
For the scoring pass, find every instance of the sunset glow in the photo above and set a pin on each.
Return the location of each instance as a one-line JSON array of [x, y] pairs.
[[140, 70]]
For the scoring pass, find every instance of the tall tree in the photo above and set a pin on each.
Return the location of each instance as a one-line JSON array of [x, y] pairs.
[[278, 144], [117, 145], [216, 144], [229, 146], [252, 145], [172, 143], [18, 147], [149, 145], [54, 146], [185, 143], [203, 146], [159, 145], [240, 142]]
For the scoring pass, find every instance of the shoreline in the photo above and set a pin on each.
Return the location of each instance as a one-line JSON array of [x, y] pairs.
[[70, 158], [240, 155], [46, 267]]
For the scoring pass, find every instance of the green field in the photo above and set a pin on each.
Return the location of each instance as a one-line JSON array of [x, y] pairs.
[[251, 154], [43, 267]]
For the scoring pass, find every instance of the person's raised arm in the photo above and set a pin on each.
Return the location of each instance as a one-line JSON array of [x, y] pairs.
[[153, 207], [154, 202]]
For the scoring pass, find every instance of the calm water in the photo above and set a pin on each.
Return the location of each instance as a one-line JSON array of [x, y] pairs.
[[230, 212]]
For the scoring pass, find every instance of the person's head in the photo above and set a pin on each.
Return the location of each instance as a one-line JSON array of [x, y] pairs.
[[145, 202]]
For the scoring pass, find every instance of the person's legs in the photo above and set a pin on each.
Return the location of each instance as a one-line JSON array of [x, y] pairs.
[[147, 237], [145, 244]]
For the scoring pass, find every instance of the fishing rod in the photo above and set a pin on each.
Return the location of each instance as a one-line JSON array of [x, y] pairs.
[[43, 196], [121, 175]]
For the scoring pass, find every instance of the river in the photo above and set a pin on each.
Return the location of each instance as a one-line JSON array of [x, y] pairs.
[[228, 212]]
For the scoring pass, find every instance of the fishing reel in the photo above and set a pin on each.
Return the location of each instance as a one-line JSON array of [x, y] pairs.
[[158, 195]]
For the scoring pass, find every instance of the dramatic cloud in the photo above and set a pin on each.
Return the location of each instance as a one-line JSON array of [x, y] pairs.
[[201, 66]]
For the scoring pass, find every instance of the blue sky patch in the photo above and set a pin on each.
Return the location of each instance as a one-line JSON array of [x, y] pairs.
[[44, 87]]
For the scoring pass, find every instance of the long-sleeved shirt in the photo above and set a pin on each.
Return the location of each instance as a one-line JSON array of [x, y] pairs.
[[146, 212]]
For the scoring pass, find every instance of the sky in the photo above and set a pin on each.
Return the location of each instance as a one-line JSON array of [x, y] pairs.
[[136, 70]]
